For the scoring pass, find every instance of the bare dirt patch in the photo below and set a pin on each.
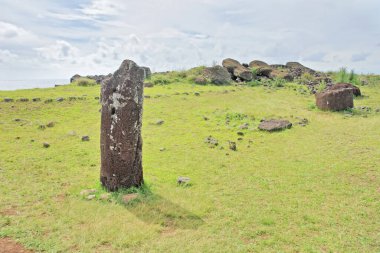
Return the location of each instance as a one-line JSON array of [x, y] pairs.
[[7, 245]]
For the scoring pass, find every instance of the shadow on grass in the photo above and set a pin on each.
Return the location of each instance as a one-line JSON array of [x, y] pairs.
[[155, 209]]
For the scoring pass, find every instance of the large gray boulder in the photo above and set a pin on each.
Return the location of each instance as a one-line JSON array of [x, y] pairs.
[[217, 75]]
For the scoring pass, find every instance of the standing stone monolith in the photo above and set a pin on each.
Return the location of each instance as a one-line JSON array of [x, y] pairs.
[[120, 138]]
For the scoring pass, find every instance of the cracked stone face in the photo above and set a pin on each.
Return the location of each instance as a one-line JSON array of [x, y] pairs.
[[120, 140]]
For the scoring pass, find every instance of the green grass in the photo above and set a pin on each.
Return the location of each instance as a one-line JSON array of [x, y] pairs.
[[307, 189]]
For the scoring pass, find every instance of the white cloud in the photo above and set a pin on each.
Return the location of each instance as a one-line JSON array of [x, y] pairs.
[[59, 51], [94, 36], [6, 56]]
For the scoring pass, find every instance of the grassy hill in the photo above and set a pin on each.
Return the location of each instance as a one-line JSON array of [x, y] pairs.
[[313, 188]]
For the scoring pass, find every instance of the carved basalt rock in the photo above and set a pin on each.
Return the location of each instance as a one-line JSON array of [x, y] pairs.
[[335, 100], [121, 141]]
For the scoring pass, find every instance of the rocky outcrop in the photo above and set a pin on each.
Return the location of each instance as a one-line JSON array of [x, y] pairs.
[[335, 100], [217, 75], [258, 64], [237, 70]]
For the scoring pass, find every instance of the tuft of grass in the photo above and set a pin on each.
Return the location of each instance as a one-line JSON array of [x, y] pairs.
[[84, 81], [343, 76]]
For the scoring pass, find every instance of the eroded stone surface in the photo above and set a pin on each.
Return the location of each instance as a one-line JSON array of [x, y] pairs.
[[274, 125], [121, 141]]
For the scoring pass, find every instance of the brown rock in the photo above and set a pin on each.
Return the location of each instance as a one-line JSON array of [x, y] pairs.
[[355, 90], [258, 64], [237, 70], [335, 100], [120, 140], [200, 80], [274, 125]]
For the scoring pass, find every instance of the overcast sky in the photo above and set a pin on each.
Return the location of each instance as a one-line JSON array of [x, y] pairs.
[[56, 39]]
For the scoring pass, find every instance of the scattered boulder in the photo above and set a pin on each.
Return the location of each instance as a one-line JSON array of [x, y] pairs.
[[36, 99], [127, 198], [335, 100], [159, 122], [51, 124], [232, 145], [17, 120], [46, 145], [217, 75], [85, 138], [74, 78], [91, 197], [60, 99], [274, 125], [244, 126], [8, 100], [258, 64], [197, 94], [264, 71], [23, 100], [200, 80], [212, 141], [237, 70], [183, 180], [42, 127], [240, 133], [355, 90]]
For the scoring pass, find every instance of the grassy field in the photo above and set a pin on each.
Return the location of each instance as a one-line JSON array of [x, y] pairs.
[[308, 189]]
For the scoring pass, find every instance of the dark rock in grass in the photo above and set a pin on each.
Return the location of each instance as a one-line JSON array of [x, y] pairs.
[[240, 133], [31, 140], [244, 126], [274, 125], [335, 100], [18, 138], [50, 124], [49, 100], [200, 80], [217, 75], [205, 118], [183, 180], [146, 96], [96, 98], [127, 198], [185, 93], [212, 141], [36, 99], [45, 145], [60, 99], [17, 120], [85, 138], [355, 90], [240, 139], [232, 145], [8, 100], [159, 122], [148, 85], [197, 94], [23, 100], [302, 121], [42, 127]]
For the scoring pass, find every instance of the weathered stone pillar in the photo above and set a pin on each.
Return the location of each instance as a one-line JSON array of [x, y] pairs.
[[120, 140]]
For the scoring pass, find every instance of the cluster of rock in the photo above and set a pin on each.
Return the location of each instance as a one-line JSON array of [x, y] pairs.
[[233, 70], [103, 78]]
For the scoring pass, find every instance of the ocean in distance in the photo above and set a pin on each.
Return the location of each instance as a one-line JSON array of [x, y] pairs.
[[31, 84]]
